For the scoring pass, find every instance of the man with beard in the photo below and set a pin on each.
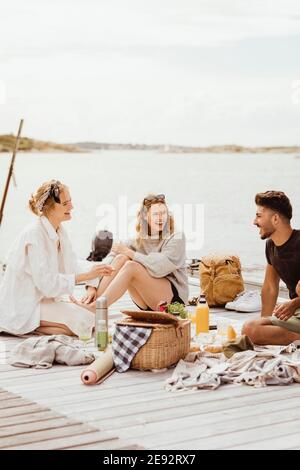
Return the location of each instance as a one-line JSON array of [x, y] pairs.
[[280, 324]]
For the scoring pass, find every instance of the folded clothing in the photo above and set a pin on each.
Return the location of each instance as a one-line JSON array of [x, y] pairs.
[[42, 351], [241, 343]]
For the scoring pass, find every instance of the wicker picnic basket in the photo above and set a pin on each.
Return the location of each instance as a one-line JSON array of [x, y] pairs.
[[168, 343]]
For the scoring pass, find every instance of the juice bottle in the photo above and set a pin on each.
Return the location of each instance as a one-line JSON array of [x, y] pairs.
[[202, 316]]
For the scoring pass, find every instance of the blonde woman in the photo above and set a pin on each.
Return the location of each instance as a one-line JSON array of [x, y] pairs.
[[41, 268], [152, 267]]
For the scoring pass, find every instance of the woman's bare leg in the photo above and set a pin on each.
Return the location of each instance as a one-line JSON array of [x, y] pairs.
[[118, 263], [151, 290], [49, 328], [137, 297]]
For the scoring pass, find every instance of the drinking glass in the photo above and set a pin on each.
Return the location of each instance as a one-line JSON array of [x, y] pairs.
[[192, 317], [222, 328], [84, 334]]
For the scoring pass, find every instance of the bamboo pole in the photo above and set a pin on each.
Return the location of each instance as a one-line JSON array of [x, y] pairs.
[[10, 172]]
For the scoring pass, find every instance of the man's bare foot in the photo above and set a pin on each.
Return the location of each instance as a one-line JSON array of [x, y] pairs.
[[91, 307]]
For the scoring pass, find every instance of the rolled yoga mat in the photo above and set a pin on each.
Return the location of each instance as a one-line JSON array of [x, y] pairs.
[[100, 369]]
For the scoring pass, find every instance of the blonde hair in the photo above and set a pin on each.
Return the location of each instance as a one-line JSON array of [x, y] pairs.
[[142, 226], [43, 200]]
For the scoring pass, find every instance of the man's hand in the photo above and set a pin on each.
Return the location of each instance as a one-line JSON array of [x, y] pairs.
[[91, 294], [121, 249], [298, 289], [285, 311]]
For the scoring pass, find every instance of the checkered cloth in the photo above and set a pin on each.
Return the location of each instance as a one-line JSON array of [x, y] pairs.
[[127, 341]]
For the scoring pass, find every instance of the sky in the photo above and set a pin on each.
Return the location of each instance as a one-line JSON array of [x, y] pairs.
[[187, 72]]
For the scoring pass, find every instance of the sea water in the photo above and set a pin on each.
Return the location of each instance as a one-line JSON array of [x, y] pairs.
[[222, 185]]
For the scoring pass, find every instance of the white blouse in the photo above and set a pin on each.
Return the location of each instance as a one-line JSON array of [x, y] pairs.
[[36, 270]]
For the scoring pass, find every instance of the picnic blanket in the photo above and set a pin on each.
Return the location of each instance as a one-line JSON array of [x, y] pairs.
[[262, 366]]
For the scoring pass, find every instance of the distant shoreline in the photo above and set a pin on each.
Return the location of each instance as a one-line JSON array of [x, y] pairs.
[[32, 145], [26, 144], [188, 149]]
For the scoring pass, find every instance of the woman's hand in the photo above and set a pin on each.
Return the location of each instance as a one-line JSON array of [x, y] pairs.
[[298, 289], [91, 307], [121, 249], [91, 295], [99, 270], [96, 271]]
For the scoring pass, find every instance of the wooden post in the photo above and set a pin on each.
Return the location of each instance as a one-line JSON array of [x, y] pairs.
[[10, 172]]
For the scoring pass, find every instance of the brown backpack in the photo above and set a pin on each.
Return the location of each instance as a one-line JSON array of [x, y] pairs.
[[220, 279]]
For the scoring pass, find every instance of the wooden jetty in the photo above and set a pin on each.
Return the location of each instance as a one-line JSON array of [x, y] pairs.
[[52, 409]]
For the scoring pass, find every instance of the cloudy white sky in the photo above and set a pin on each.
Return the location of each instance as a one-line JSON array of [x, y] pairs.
[[191, 72]]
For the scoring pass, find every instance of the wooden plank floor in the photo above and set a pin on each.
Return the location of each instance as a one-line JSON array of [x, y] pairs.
[[133, 410], [28, 425]]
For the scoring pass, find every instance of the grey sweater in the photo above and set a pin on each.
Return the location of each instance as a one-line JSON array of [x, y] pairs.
[[165, 258]]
